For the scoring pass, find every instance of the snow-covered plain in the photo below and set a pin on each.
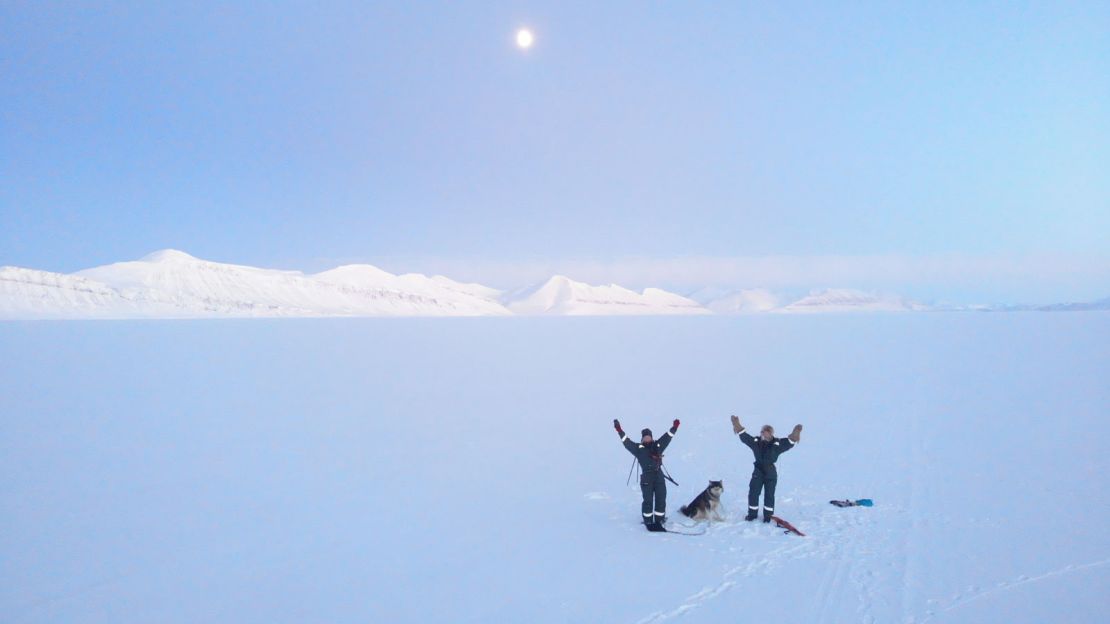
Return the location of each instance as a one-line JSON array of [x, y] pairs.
[[465, 470]]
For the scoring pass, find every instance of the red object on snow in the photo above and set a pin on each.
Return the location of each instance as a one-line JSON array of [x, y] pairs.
[[783, 524]]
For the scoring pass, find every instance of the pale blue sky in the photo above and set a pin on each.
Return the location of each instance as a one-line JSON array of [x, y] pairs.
[[633, 136]]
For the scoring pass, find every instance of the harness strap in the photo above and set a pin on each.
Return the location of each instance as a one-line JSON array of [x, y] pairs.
[[667, 475]]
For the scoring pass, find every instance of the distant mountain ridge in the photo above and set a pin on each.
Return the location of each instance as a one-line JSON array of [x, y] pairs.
[[173, 284], [847, 300], [563, 296]]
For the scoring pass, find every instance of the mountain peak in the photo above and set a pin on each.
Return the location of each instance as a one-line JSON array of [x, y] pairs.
[[357, 273], [559, 280], [168, 255], [562, 295]]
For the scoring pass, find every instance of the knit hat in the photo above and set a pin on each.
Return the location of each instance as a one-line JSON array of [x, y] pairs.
[[646, 432]]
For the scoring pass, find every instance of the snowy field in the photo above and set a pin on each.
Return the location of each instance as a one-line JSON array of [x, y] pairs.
[[466, 470]]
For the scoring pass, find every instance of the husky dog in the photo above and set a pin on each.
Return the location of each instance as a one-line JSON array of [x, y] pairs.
[[706, 505]]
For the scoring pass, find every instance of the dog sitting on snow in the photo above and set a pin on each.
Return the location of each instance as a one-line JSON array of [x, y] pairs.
[[706, 505]]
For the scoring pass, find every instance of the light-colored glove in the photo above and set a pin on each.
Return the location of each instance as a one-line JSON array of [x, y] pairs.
[[736, 426], [796, 435]]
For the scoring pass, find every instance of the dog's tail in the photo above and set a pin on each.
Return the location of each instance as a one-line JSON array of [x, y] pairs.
[[686, 511]]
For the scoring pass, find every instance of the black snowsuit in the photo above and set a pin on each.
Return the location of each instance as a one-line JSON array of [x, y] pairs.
[[765, 477], [652, 483]]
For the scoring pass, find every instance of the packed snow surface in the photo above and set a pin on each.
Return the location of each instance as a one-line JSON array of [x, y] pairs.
[[466, 470]]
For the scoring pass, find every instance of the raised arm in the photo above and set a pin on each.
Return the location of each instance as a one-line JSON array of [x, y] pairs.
[[628, 444], [796, 435], [669, 435], [791, 440], [745, 437]]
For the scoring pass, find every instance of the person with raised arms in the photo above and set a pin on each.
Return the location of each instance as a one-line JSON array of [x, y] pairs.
[[653, 484], [765, 477]]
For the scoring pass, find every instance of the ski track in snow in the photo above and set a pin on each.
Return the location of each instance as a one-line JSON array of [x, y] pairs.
[[841, 540], [847, 544], [1005, 586], [728, 580], [849, 548], [910, 558], [844, 540], [829, 541]]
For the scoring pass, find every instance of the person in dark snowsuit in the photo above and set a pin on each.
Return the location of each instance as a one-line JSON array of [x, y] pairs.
[[653, 485], [765, 476]]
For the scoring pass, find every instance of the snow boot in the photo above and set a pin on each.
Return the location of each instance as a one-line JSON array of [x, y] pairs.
[[752, 513], [767, 513]]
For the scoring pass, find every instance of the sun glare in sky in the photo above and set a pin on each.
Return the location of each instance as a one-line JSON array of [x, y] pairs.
[[524, 38]]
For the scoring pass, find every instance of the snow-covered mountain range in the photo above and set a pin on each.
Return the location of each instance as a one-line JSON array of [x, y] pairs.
[[747, 301], [846, 300], [173, 284], [566, 297]]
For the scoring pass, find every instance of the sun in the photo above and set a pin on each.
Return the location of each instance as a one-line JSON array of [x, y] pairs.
[[524, 38]]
